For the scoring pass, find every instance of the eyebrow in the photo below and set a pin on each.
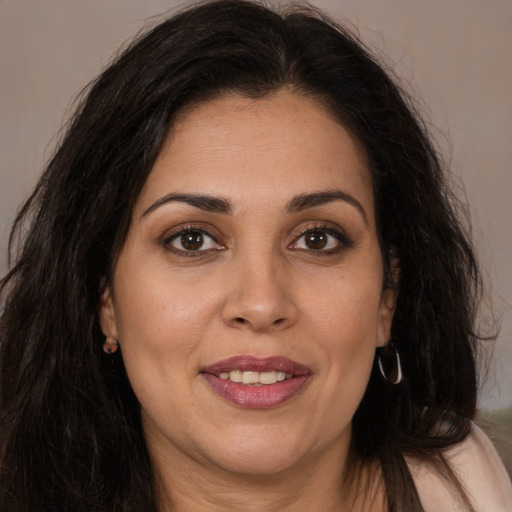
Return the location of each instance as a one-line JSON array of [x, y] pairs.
[[297, 204], [203, 202], [305, 201]]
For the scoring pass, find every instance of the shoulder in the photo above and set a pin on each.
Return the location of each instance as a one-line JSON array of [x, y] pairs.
[[480, 471]]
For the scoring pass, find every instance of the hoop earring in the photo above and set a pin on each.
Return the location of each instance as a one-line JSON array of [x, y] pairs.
[[110, 345], [391, 367]]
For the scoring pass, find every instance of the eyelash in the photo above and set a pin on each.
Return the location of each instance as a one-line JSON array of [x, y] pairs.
[[168, 239], [344, 241]]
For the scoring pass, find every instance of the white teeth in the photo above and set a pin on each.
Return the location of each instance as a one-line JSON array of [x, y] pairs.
[[268, 378], [250, 377], [255, 378], [235, 376]]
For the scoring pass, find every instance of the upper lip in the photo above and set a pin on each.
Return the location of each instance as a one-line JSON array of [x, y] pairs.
[[257, 364]]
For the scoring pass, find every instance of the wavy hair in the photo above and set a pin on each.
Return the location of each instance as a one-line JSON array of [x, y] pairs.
[[70, 428]]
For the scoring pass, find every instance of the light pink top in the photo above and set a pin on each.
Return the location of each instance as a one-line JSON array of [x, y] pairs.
[[479, 469]]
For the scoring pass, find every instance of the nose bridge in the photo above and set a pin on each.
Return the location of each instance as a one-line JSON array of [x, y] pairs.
[[259, 298]]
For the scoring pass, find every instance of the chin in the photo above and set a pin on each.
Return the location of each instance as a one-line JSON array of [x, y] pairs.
[[260, 466], [259, 456]]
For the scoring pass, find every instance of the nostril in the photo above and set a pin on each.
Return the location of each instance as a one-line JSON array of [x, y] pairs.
[[240, 320], [279, 321]]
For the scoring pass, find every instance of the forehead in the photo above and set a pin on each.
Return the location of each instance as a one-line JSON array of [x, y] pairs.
[[263, 150]]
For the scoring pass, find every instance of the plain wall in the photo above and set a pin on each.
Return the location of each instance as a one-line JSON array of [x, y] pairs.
[[455, 54]]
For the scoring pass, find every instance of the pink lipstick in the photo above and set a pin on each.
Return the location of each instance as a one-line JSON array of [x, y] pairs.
[[256, 383]]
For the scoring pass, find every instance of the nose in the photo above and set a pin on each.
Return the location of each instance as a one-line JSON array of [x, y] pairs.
[[260, 297]]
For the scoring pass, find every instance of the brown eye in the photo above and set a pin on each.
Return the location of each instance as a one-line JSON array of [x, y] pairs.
[[323, 240], [192, 241], [316, 240]]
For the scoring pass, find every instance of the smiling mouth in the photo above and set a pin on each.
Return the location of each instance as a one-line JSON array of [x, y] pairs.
[[255, 383], [255, 378]]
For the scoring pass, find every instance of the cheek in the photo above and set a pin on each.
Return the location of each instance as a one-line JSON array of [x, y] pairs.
[[160, 324], [158, 310], [347, 310], [159, 339], [344, 320]]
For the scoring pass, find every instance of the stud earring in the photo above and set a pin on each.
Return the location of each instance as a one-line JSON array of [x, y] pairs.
[[388, 360], [110, 345]]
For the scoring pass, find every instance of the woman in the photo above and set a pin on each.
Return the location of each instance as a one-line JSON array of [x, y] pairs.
[[242, 285]]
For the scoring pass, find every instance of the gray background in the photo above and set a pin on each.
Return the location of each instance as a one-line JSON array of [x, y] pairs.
[[455, 54]]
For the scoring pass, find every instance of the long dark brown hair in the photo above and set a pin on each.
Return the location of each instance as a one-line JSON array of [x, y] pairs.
[[70, 429]]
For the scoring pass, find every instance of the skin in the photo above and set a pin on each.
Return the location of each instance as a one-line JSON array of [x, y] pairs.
[[255, 288]]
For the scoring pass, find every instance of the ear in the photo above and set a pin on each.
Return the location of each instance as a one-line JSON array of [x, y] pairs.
[[107, 314], [388, 305]]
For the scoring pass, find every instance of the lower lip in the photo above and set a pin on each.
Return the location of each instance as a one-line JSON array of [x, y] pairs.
[[256, 397]]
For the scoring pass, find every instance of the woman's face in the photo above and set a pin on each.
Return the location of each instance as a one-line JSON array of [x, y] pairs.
[[253, 256]]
